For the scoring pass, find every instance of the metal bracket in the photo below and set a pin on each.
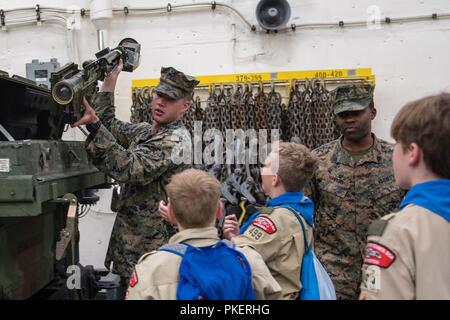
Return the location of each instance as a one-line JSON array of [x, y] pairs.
[[2, 17], [68, 233], [38, 13]]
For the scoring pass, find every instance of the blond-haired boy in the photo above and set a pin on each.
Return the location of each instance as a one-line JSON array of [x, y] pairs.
[[194, 205], [274, 231]]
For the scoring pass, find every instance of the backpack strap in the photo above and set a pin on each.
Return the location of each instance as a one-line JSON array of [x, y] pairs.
[[176, 248], [299, 218]]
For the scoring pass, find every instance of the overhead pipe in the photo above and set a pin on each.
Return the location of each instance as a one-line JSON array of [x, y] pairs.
[[104, 16]]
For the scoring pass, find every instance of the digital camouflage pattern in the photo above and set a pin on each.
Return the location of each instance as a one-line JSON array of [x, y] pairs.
[[354, 97], [140, 160], [348, 197], [175, 84]]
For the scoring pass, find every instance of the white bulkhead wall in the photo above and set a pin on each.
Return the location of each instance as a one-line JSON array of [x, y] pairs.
[[410, 60]]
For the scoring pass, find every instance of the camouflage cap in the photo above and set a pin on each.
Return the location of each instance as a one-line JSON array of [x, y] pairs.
[[353, 97], [175, 84]]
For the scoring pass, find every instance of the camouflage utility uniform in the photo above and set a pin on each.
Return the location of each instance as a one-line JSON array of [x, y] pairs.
[[141, 160], [348, 197], [350, 192]]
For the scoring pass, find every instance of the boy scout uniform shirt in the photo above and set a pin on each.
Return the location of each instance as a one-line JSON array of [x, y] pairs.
[[156, 274], [407, 257], [142, 161], [349, 196], [278, 238]]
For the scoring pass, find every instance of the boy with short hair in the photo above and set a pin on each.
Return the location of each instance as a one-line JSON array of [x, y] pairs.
[[275, 231], [407, 255], [196, 264]]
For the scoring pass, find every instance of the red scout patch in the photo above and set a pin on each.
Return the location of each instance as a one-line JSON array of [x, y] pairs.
[[378, 255], [265, 224], [134, 279]]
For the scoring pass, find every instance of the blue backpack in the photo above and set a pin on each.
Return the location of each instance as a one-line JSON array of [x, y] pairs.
[[217, 272], [316, 282]]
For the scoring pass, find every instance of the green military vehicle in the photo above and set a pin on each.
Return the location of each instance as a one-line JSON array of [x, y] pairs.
[[44, 184]]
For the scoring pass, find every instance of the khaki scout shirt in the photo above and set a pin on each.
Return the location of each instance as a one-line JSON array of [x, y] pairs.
[[278, 237], [408, 257], [156, 274], [349, 196]]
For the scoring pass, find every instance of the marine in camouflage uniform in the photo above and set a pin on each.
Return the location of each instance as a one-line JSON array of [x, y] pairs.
[[350, 190], [140, 158]]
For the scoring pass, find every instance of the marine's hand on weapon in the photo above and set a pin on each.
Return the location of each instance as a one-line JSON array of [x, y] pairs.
[[230, 227], [89, 115], [109, 83]]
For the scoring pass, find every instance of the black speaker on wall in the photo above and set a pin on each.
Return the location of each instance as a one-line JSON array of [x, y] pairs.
[[273, 14]]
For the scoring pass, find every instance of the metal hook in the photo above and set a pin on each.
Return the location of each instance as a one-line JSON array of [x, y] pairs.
[[293, 85], [197, 102], [308, 84], [234, 86], [272, 86], [261, 87]]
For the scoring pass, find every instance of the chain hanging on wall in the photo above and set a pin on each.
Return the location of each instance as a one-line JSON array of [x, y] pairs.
[[189, 117], [141, 105], [237, 108], [261, 109], [285, 123], [199, 112], [274, 111], [308, 115], [249, 108], [212, 111], [327, 130], [225, 106], [294, 113]]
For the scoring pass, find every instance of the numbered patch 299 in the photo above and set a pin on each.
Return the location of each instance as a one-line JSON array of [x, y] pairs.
[[255, 233]]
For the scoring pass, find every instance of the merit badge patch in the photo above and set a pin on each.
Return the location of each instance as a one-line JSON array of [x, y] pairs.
[[378, 255], [134, 279], [265, 224]]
